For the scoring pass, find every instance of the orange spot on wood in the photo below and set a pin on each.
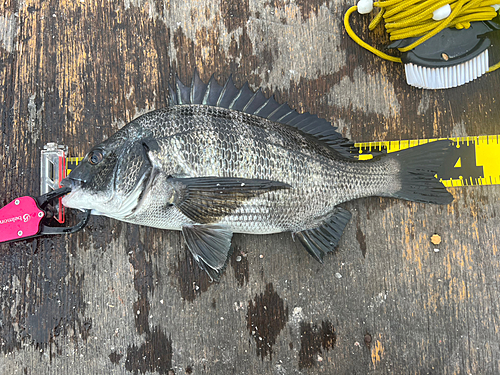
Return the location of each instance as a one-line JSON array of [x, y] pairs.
[[436, 239], [377, 352]]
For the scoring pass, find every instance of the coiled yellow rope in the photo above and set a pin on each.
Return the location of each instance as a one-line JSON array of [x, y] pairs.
[[413, 18]]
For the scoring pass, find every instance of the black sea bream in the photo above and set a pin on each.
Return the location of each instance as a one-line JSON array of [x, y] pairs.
[[220, 161]]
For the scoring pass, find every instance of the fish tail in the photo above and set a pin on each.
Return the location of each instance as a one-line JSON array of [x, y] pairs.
[[417, 173]]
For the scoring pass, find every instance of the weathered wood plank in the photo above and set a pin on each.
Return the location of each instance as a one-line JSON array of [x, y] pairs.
[[121, 299]]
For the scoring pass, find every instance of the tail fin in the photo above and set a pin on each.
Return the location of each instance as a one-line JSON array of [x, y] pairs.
[[418, 167]]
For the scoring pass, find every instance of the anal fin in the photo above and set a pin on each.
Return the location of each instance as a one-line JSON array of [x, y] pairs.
[[325, 238], [210, 246]]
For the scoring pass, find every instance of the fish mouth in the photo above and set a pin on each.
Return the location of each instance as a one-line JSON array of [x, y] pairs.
[[71, 183], [75, 185]]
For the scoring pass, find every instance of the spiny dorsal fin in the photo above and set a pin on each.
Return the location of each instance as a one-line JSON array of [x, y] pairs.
[[255, 103]]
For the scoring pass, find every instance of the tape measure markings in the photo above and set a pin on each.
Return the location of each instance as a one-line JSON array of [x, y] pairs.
[[474, 161]]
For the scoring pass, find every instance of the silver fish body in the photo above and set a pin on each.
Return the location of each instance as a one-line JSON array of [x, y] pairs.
[[210, 141], [211, 171]]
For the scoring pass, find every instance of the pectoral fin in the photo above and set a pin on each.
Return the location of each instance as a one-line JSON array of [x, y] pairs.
[[210, 246], [208, 199], [325, 238]]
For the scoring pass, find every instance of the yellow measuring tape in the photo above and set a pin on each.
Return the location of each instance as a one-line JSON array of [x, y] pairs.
[[473, 161]]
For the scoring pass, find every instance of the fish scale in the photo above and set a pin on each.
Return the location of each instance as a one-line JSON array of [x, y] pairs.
[[220, 161]]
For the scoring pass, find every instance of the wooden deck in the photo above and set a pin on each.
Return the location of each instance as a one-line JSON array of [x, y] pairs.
[[119, 299]]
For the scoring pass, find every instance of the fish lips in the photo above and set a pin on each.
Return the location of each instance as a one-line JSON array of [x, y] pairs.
[[71, 183], [74, 185]]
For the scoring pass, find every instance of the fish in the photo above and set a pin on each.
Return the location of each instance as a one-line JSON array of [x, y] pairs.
[[219, 160]]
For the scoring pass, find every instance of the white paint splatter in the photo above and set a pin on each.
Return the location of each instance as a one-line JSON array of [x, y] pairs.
[[368, 93], [8, 32], [194, 19], [343, 128], [34, 117], [295, 45], [424, 104], [459, 130], [297, 316]]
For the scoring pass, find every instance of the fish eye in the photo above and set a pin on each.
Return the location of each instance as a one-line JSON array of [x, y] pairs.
[[95, 157]]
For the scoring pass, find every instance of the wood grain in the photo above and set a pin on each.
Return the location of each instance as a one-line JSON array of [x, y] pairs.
[[119, 299]]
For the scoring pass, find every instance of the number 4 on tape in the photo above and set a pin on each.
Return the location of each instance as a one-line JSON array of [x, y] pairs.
[[473, 160]]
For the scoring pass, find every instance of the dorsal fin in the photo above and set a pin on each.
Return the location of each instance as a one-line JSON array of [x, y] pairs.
[[255, 103]]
